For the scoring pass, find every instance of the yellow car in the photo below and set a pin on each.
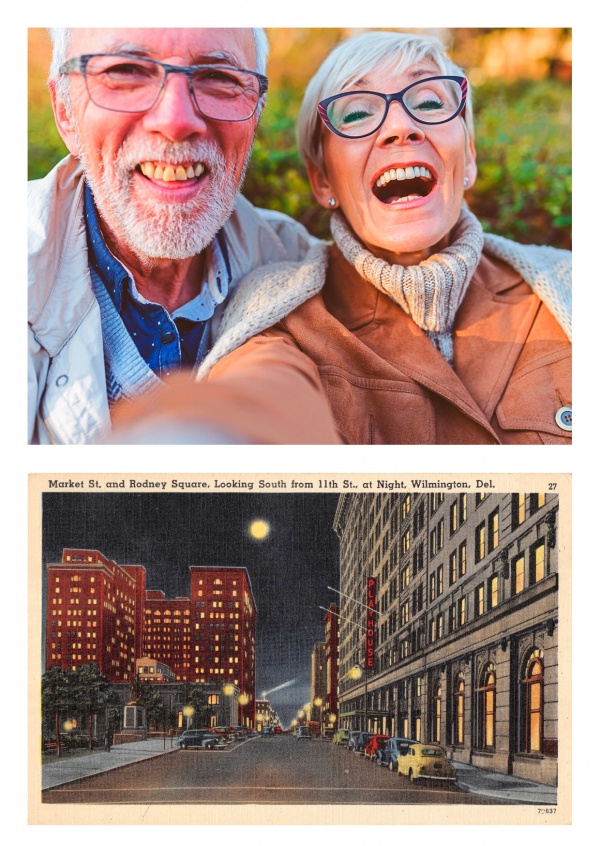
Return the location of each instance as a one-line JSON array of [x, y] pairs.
[[425, 760]]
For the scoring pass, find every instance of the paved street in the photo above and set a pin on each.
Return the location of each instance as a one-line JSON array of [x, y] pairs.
[[268, 770]]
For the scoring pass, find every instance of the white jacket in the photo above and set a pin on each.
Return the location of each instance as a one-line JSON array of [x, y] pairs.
[[66, 380]]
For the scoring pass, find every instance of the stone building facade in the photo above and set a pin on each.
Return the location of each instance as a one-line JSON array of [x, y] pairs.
[[463, 588]]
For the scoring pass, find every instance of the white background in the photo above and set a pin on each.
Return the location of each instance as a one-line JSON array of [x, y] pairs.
[[19, 460]]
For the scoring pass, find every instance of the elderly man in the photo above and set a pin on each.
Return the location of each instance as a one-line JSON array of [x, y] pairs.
[[139, 236]]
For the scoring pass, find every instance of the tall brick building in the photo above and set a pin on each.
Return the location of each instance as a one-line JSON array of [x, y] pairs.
[[100, 612], [92, 609], [166, 632], [223, 623], [465, 590]]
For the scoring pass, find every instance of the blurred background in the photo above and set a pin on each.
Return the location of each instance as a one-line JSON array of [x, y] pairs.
[[521, 79]]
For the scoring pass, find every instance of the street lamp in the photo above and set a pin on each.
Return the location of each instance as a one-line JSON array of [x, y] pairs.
[[318, 703], [356, 673], [188, 713]]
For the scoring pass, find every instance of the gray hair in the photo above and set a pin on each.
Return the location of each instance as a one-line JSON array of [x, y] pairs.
[[61, 40], [357, 57]]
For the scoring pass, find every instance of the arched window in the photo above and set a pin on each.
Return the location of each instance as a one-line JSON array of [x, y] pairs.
[[487, 708], [459, 710], [533, 702]]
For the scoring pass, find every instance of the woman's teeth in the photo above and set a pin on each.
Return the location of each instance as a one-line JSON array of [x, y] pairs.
[[403, 173], [171, 173]]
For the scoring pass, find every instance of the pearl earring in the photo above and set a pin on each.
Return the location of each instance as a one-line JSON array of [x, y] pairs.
[[466, 182], [332, 202]]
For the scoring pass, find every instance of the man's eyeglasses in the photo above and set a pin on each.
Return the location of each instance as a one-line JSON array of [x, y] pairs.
[[123, 82], [356, 114]]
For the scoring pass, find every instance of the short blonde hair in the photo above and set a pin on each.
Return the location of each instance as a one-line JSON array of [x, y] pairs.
[[357, 57]]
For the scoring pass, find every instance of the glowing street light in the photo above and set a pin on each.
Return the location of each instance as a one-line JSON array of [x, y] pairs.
[[188, 713], [318, 703]]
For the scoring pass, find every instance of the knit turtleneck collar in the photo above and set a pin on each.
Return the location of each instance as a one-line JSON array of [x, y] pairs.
[[430, 292]]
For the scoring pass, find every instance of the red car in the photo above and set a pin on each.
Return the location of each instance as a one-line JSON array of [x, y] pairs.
[[378, 741], [278, 730]]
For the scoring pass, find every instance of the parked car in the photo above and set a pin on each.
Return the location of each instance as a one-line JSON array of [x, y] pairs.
[[241, 732], [198, 739], [426, 760], [394, 748], [327, 733], [266, 731], [303, 733], [223, 733], [341, 736], [351, 738], [377, 742], [358, 740]]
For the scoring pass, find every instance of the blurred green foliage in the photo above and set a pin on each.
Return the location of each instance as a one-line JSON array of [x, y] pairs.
[[46, 147], [523, 141]]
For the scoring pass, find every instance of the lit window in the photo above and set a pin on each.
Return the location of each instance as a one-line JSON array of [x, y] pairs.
[[462, 508], [533, 703], [493, 597], [519, 574], [493, 530], [462, 559], [480, 542], [487, 709], [454, 517], [479, 601], [537, 565], [453, 567]]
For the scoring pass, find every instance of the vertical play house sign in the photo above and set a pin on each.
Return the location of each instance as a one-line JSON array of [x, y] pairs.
[[371, 613]]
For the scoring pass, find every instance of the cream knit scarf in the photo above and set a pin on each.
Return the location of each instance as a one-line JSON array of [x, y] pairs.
[[430, 292]]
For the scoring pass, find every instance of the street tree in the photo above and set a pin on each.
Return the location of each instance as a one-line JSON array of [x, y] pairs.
[[55, 700], [198, 699], [150, 699], [90, 694]]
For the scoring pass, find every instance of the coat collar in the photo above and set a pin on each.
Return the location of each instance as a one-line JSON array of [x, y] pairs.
[[490, 330]]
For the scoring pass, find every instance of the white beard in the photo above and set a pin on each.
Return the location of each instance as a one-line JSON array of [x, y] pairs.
[[153, 229]]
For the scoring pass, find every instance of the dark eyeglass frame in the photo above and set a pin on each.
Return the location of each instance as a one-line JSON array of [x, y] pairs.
[[78, 64], [398, 97]]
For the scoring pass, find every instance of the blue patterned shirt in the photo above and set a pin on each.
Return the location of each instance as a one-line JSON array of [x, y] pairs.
[[166, 342]]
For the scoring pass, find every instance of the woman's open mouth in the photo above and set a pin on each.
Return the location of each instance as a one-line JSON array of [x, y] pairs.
[[402, 185]]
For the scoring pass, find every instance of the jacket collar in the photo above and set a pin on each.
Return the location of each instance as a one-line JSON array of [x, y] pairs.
[[490, 329], [58, 258]]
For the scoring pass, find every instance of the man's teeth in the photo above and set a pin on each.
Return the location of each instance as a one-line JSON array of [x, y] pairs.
[[403, 173], [171, 173]]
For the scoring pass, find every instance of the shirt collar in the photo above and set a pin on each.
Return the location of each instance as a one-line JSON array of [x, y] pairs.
[[115, 276]]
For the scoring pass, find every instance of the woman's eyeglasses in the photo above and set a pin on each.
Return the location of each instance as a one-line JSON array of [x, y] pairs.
[[356, 114]]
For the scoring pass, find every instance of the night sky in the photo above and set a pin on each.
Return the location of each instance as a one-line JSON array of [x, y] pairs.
[[167, 533]]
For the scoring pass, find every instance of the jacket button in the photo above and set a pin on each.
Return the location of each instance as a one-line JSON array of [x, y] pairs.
[[168, 337], [564, 418], [61, 381]]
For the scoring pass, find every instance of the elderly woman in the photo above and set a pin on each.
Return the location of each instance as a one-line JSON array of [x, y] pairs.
[[421, 329]]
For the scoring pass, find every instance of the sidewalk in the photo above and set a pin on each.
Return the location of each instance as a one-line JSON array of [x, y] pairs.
[[505, 787], [64, 769]]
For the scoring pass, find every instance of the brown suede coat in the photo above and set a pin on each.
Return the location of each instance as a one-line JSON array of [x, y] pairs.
[[387, 384]]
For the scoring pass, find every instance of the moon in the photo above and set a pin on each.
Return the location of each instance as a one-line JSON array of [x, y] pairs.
[[259, 529]]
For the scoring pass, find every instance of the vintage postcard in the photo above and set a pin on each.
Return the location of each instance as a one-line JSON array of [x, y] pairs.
[[300, 649]]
